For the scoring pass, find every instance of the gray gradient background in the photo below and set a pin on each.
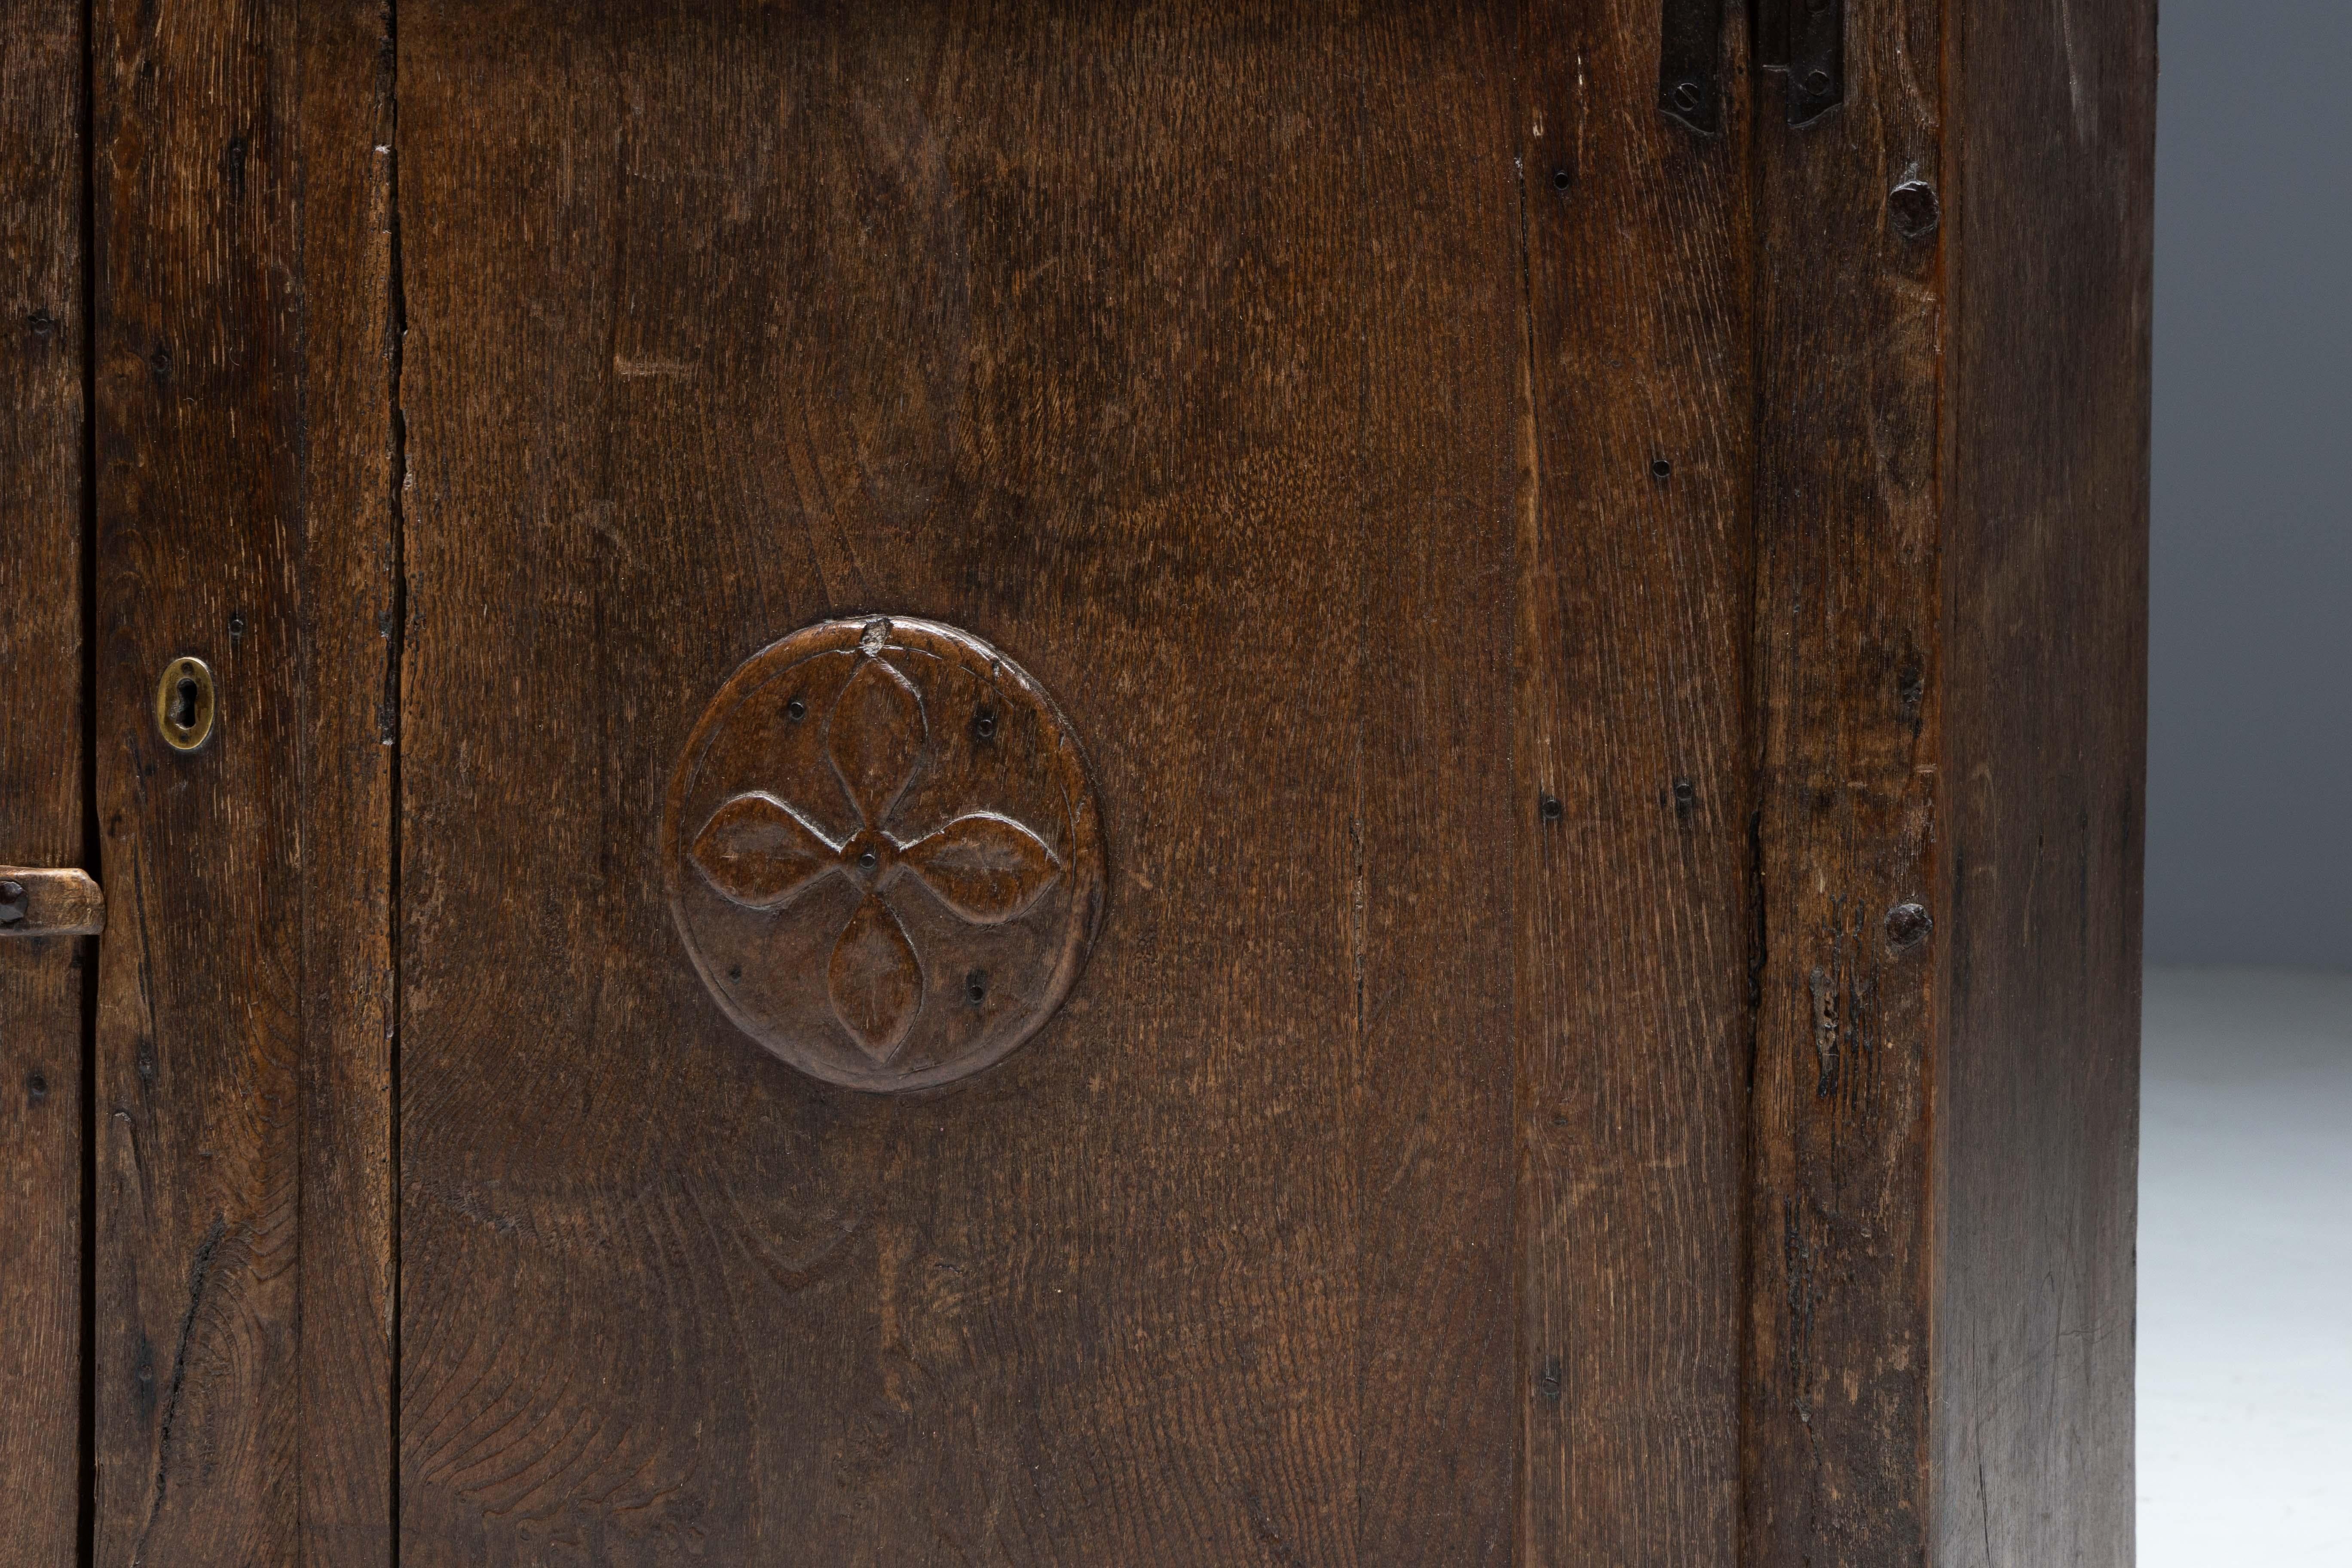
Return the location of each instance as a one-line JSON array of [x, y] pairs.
[[2244, 1381], [2250, 640]]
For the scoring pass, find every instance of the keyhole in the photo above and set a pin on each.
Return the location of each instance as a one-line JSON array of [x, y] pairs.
[[184, 708]]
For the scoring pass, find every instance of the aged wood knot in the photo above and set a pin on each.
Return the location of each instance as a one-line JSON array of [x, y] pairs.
[[883, 853]]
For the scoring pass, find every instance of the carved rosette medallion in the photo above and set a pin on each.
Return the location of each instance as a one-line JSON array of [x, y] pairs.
[[883, 853]]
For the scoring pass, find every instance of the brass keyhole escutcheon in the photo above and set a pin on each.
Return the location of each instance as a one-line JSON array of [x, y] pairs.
[[185, 704]]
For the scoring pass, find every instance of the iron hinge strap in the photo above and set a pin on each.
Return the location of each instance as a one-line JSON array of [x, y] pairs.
[[1803, 39]]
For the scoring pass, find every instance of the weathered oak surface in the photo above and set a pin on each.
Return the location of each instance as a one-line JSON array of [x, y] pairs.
[[43, 781], [2045, 606], [1175, 354], [243, 442], [1630, 828], [1850, 328], [1609, 658]]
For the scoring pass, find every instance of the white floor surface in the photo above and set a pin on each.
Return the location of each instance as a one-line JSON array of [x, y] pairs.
[[2245, 1270]]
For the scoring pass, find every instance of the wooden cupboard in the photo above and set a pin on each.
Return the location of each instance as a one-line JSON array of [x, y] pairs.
[[1456, 879]]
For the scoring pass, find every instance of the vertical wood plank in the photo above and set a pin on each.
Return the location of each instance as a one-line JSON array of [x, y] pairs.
[[1850, 332], [1633, 799], [198, 1035], [1435, 490], [2045, 605], [243, 511], [1081, 330], [43, 329], [341, 101]]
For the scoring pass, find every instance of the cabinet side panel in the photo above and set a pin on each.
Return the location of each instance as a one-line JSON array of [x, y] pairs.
[[1850, 332], [2044, 721], [42, 332], [1633, 798]]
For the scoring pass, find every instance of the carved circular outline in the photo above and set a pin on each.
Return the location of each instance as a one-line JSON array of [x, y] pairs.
[[1082, 864]]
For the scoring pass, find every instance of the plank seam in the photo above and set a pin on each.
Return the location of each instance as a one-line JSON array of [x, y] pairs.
[[395, 657], [87, 1456], [1530, 500]]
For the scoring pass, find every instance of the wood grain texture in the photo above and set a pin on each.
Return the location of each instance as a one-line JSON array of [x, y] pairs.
[[197, 1036], [1610, 657], [243, 434], [43, 758], [1850, 332], [1634, 800], [2045, 603], [1084, 330], [1432, 460], [342, 90]]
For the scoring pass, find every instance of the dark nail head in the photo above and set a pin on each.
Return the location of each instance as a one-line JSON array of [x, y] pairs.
[[1914, 210], [1688, 97], [796, 710], [1550, 808], [1907, 925]]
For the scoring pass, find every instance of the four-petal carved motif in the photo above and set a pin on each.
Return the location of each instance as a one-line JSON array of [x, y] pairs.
[[762, 852]]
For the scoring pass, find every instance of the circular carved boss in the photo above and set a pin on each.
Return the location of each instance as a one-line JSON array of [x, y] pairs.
[[883, 853]]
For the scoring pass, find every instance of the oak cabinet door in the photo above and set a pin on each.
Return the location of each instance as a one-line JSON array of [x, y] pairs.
[[1073, 785]]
